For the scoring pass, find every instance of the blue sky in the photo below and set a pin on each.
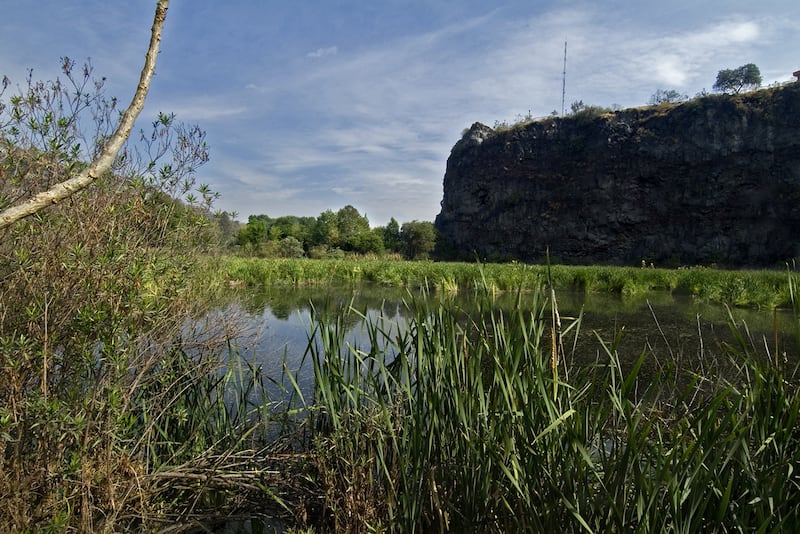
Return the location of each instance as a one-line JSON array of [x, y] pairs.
[[311, 105]]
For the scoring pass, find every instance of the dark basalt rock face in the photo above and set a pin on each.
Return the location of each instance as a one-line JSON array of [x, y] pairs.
[[712, 180]]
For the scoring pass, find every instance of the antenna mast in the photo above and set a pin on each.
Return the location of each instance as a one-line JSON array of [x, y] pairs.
[[564, 79]]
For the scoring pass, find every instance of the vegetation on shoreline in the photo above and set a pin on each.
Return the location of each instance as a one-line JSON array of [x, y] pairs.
[[480, 423], [744, 288], [331, 235]]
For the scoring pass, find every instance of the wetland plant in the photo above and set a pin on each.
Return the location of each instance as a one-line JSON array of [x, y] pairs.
[[477, 421]]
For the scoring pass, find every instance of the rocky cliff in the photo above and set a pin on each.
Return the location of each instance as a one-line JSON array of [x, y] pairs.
[[712, 180]]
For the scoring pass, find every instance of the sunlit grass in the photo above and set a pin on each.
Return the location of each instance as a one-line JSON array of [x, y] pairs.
[[745, 288]]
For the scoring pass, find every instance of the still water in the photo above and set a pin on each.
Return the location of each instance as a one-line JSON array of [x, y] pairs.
[[271, 328]]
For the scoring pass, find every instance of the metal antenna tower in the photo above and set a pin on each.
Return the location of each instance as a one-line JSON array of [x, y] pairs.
[[564, 79]]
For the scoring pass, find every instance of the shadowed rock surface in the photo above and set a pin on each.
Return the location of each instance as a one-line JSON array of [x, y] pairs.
[[712, 180]]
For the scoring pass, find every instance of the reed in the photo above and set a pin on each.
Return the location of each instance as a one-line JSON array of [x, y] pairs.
[[447, 421], [477, 421], [144, 432], [215, 440]]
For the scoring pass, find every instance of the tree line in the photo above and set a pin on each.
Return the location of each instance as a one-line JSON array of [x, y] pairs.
[[332, 234]]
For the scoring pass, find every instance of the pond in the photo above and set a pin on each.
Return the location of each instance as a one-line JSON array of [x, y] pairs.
[[271, 328]]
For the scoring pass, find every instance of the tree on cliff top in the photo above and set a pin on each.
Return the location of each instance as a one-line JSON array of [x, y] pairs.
[[734, 80], [667, 96]]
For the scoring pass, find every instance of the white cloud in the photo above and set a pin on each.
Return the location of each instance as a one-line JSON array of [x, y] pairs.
[[205, 112], [670, 70], [323, 52], [256, 87], [738, 32]]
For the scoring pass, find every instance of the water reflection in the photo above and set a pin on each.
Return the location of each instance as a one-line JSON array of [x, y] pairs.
[[274, 325]]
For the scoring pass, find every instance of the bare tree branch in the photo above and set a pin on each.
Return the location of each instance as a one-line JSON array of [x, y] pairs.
[[102, 163]]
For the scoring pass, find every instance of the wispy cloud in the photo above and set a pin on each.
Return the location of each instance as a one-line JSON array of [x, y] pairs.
[[678, 60], [207, 111], [258, 88], [323, 52]]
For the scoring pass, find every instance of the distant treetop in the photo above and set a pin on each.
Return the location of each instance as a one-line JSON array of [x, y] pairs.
[[667, 96], [734, 80]]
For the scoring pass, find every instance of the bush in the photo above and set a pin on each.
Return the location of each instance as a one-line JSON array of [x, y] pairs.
[[291, 247], [92, 289]]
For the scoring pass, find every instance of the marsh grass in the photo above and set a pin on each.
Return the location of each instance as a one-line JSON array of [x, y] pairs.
[[744, 288], [452, 420], [478, 422]]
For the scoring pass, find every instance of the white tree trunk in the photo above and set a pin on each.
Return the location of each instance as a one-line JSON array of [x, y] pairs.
[[102, 163]]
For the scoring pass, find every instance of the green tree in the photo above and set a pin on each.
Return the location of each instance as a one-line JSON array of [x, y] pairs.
[[735, 80], [391, 236], [326, 229], [290, 247], [370, 242], [291, 226], [252, 234], [351, 222], [262, 217], [418, 239], [351, 225], [664, 96]]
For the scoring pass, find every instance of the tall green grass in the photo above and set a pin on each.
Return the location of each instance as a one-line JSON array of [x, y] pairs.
[[746, 288], [477, 422]]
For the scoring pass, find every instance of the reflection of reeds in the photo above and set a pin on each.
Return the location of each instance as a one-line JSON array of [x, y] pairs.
[[212, 437]]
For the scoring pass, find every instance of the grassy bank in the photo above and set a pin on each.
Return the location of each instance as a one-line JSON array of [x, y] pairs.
[[746, 288]]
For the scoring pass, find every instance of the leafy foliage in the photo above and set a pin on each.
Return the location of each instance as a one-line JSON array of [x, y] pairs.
[[667, 96], [90, 287], [331, 234], [479, 423], [291, 247], [391, 235], [418, 239], [735, 80], [585, 113]]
